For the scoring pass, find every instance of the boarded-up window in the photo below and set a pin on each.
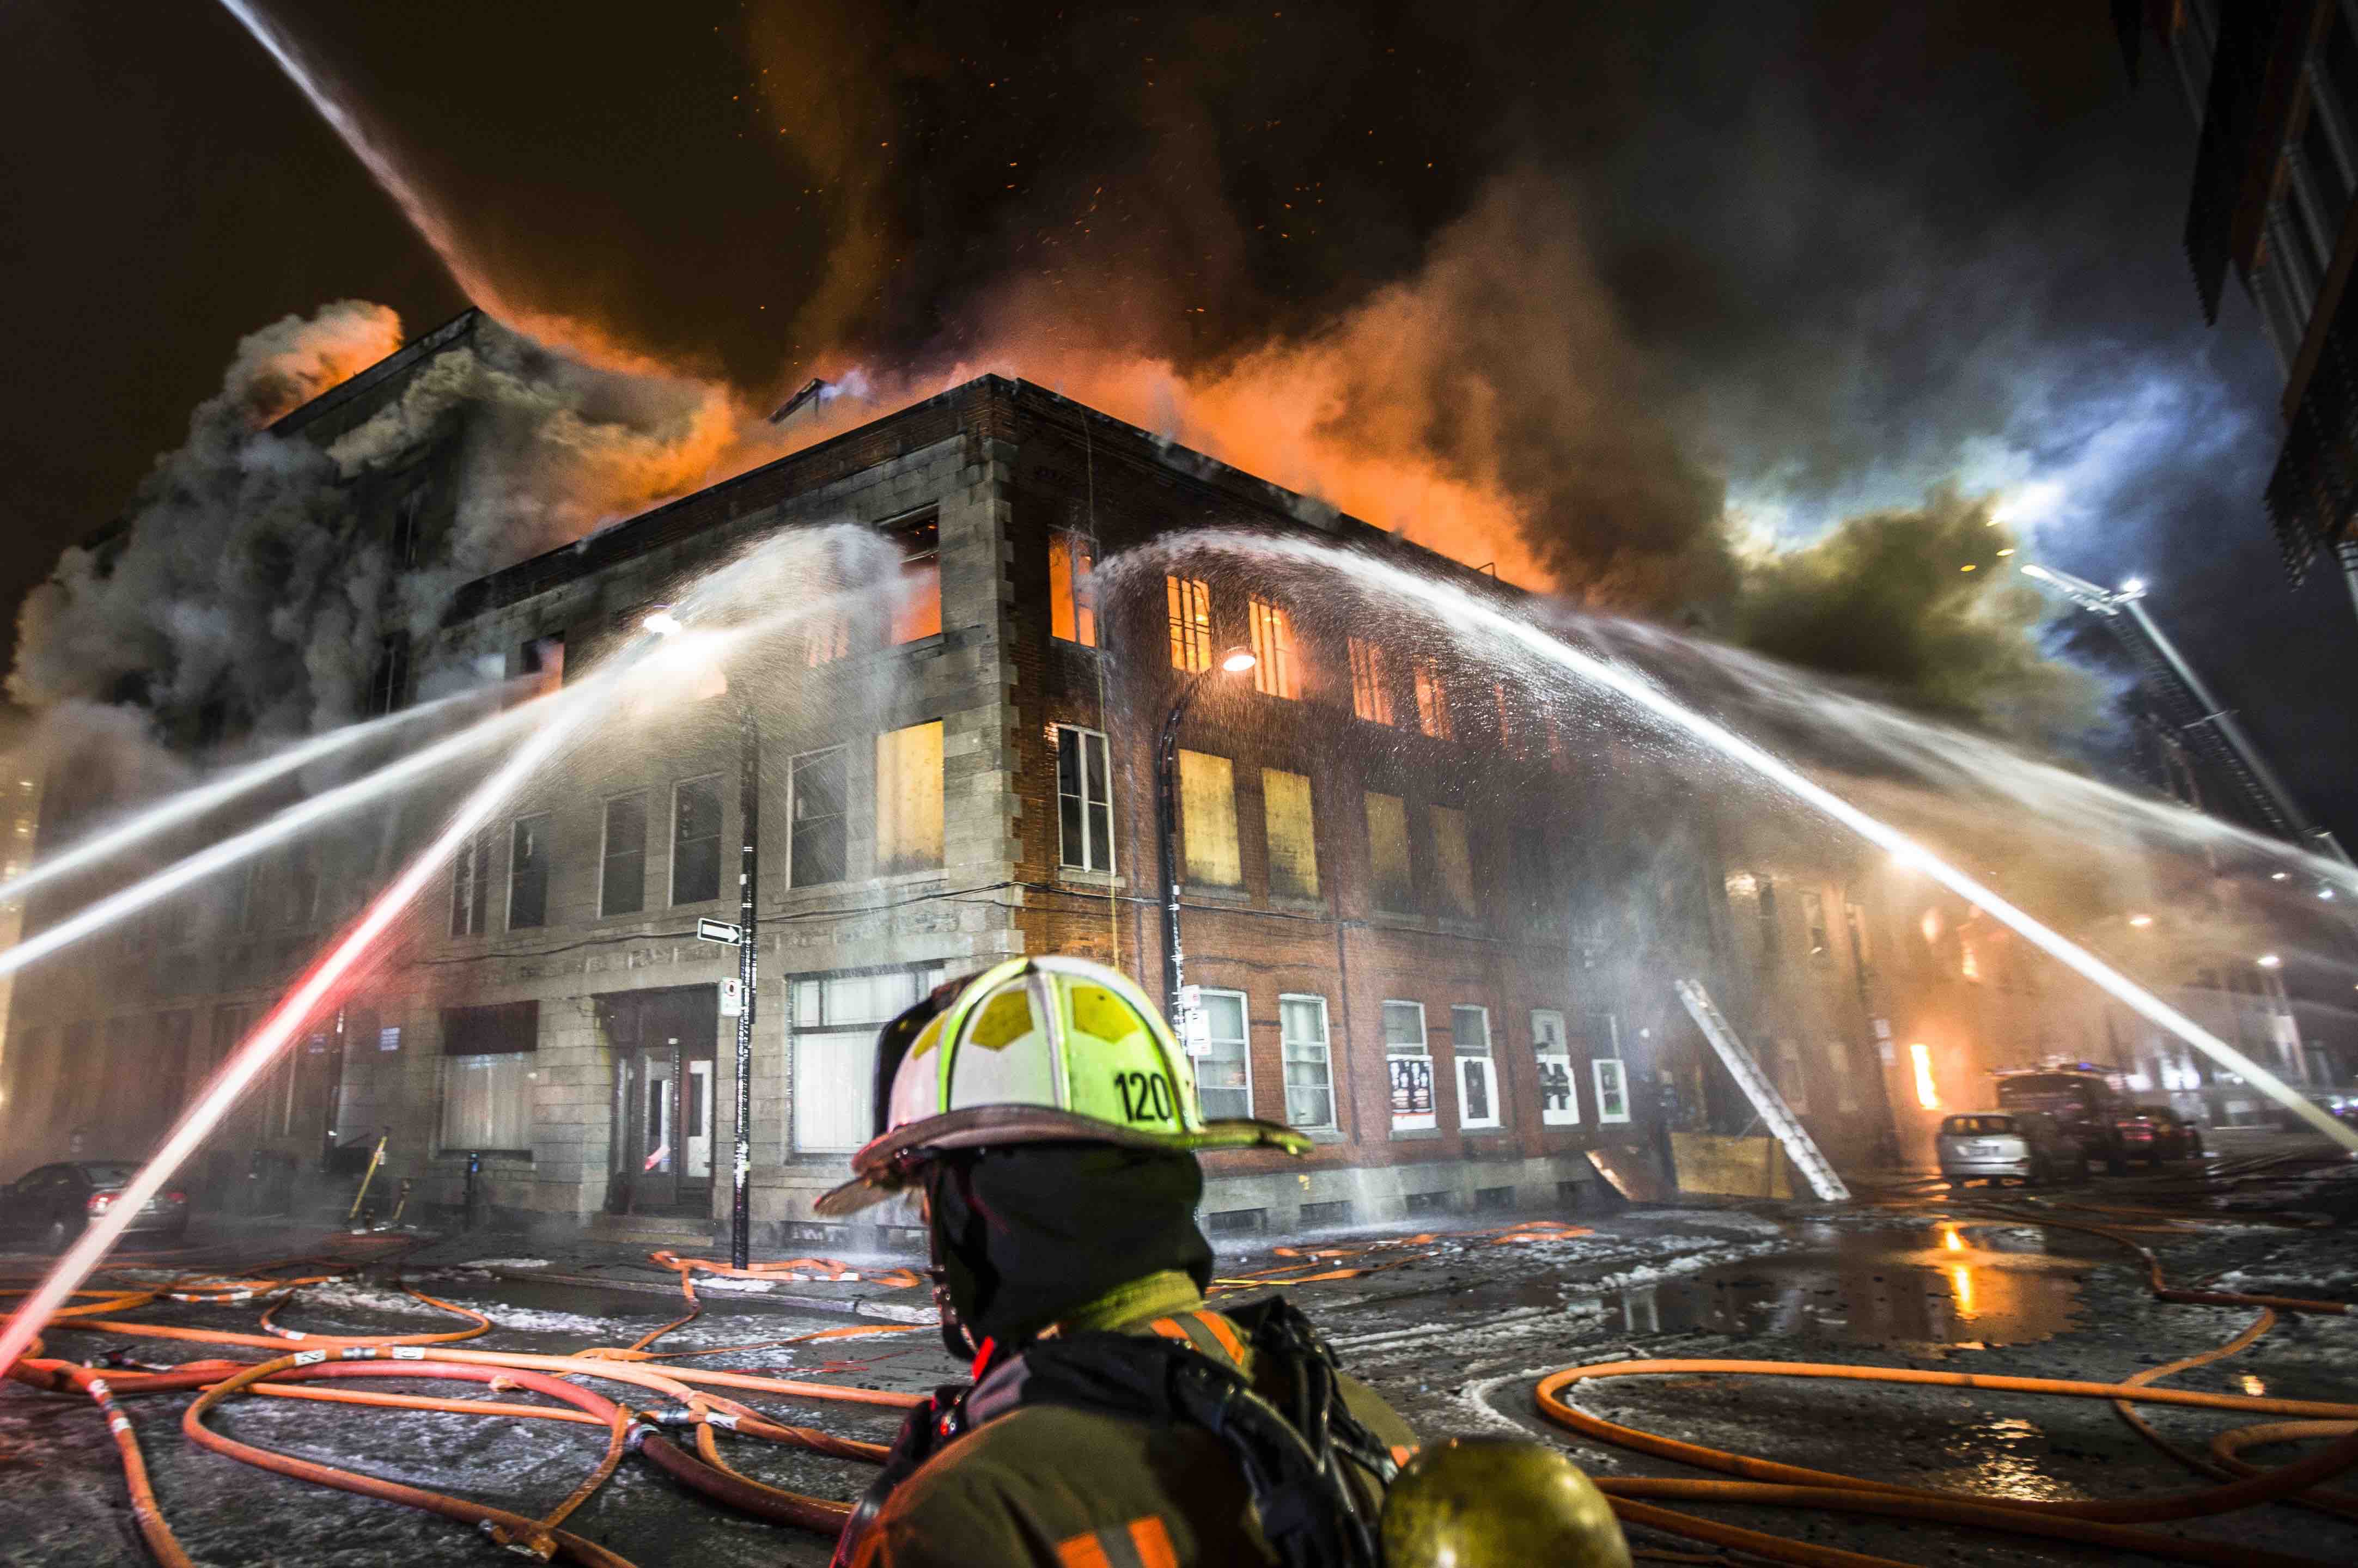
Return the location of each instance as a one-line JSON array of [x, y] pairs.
[[1277, 671], [622, 880], [1072, 596], [917, 606], [1432, 702], [909, 799], [1190, 602], [1292, 834], [1452, 859], [1388, 870], [1207, 813], [1371, 690]]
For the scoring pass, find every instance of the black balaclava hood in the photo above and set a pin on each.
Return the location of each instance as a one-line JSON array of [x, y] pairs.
[[1024, 1234]]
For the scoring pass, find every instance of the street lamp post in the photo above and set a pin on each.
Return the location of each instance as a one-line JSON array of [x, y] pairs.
[[663, 623], [749, 811], [1235, 661]]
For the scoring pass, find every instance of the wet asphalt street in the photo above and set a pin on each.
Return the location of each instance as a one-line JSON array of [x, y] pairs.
[[1455, 1327]]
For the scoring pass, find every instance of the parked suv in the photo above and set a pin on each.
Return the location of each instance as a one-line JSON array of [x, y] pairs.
[[2086, 1106], [2157, 1134], [1995, 1145], [50, 1205]]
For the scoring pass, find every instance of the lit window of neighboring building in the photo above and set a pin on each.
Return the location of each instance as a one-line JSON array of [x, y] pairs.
[[1084, 799], [528, 872], [1432, 702], [816, 818], [1224, 1071], [917, 608], [1208, 814], [1072, 596], [1371, 690], [1389, 882], [1292, 834], [1190, 602], [909, 799], [696, 841], [622, 870], [1453, 858], [1277, 671], [1309, 1063]]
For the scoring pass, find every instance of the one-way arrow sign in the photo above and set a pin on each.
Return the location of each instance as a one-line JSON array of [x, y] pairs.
[[717, 931]]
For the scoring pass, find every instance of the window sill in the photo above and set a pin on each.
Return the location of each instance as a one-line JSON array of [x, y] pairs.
[[1414, 1134], [1325, 1134], [1493, 1131], [1081, 876], [1313, 906], [1235, 897]]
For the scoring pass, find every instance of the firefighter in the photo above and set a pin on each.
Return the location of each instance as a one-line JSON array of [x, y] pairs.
[[1048, 1120]]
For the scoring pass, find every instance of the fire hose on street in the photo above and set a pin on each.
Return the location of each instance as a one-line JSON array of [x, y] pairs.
[[318, 1369]]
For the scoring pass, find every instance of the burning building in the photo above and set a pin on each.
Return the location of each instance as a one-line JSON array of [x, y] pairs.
[[1430, 916]]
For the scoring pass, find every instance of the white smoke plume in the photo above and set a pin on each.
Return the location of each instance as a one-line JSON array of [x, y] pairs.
[[248, 576]]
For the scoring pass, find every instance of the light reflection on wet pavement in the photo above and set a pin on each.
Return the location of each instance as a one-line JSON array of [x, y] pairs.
[[1959, 1287]]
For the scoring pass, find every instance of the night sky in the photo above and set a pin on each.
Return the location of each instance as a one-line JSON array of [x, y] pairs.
[[1801, 264]]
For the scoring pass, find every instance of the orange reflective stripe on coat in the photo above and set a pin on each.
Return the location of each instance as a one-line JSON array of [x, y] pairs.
[[1143, 1542], [1206, 1331]]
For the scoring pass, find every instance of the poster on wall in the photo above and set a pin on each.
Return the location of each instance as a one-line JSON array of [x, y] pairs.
[[1413, 1092], [1558, 1091]]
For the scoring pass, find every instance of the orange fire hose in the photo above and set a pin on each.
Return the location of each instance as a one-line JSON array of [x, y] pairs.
[[2093, 1522]]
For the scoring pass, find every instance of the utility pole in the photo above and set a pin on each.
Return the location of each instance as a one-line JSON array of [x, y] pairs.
[[749, 811]]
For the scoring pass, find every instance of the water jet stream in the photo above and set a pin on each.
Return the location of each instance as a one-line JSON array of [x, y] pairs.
[[198, 799], [557, 717], [1461, 611], [269, 833]]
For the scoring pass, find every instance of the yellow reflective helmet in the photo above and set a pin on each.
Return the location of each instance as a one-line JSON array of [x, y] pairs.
[[1042, 1050], [1489, 1502]]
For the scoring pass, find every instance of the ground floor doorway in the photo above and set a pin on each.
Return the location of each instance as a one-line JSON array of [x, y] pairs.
[[662, 1042]]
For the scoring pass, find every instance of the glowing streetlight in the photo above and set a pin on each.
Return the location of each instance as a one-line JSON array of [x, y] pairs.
[[2269, 961], [2280, 876], [1237, 661], [663, 623], [2134, 587], [2141, 921]]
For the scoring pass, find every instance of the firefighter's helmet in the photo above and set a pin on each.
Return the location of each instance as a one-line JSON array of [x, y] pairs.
[[1037, 1050], [1489, 1502]]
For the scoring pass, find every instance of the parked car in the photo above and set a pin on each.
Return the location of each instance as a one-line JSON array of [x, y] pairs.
[[2157, 1134], [1995, 1146], [50, 1205], [2082, 1103]]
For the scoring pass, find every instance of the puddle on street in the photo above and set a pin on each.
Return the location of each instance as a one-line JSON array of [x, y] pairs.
[[1941, 1284]]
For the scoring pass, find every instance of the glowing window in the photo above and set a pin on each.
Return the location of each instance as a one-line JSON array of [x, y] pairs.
[[909, 799], [1432, 702], [1928, 1093], [1072, 596], [1371, 690], [1277, 671], [917, 606], [1190, 602]]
